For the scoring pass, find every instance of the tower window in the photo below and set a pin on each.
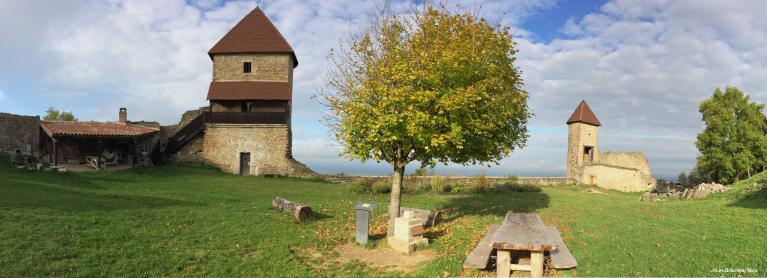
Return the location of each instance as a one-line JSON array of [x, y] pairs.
[[588, 154], [246, 67]]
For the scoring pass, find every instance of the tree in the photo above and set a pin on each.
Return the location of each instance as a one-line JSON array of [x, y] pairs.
[[432, 87], [53, 114], [733, 144], [682, 179]]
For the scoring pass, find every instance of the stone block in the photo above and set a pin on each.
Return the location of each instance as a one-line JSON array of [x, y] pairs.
[[407, 247]]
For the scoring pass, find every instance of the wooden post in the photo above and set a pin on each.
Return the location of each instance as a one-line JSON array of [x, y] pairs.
[[98, 157], [536, 264], [55, 159], [503, 264]]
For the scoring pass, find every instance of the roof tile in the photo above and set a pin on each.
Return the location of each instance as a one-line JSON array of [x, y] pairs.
[[583, 114]]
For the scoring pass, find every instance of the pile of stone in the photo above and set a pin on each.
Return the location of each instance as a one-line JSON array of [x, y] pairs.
[[698, 192], [408, 233]]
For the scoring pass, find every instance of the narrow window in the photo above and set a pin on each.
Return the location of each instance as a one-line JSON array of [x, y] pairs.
[[246, 67]]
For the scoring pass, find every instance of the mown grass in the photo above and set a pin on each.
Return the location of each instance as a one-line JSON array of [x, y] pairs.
[[179, 221]]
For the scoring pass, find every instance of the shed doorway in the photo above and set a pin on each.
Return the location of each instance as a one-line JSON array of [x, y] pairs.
[[245, 164]]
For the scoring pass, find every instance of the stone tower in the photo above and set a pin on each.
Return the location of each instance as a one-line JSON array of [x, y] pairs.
[[248, 125], [582, 144]]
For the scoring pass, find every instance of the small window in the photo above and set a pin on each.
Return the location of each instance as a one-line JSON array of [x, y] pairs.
[[246, 67]]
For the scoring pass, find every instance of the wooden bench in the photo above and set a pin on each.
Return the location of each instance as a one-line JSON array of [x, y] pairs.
[[521, 232]]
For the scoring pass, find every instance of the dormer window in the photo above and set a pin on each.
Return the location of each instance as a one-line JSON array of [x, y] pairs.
[[246, 67]]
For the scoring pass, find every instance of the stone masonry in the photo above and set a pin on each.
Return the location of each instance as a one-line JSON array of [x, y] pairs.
[[267, 145], [624, 171], [19, 133], [264, 67]]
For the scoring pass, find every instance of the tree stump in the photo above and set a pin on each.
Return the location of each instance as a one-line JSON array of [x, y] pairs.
[[299, 211]]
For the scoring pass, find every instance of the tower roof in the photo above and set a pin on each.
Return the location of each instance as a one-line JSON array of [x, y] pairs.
[[583, 114], [255, 33]]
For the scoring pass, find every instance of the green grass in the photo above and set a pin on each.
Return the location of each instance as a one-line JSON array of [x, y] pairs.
[[176, 220]]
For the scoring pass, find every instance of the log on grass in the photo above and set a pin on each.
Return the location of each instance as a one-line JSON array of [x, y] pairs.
[[430, 216], [299, 211]]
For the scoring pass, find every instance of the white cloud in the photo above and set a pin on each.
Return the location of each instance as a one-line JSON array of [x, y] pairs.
[[2, 95]]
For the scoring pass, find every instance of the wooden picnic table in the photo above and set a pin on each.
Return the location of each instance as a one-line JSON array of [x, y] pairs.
[[524, 232], [521, 232]]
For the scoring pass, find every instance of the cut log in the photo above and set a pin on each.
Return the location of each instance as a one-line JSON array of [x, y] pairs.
[[299, 211], [561, 258], [479, 257], [431, 216], [704, 194]]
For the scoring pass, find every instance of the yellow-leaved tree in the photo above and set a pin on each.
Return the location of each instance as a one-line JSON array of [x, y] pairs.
[[432, 86]]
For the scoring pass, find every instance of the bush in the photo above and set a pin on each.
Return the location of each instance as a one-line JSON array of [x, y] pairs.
[[359, 187], [513, 187], [381, 186], [423, 186], [439, 185]]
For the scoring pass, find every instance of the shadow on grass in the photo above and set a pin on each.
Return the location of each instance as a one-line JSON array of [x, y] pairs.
[[494, 203], [32, 194], [756, 200]]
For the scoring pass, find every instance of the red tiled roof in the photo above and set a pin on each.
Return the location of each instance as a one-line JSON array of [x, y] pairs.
[[255, 33], [583, 114], [241, 90], [95, 129]]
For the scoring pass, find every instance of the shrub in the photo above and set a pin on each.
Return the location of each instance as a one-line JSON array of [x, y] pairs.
[[359, 187], [423, 186], [513, 187], [381, 186], [439, 185]]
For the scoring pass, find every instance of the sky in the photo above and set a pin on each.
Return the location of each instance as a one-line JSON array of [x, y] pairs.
[[643, 66]]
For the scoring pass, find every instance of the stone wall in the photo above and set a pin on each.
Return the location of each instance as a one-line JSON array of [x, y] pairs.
[[19, 133], [264, 67], [191, 152], [634, 160], [618, 178], [267, 145], [458, 179]]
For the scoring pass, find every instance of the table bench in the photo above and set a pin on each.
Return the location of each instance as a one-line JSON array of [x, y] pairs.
[[521, 232]]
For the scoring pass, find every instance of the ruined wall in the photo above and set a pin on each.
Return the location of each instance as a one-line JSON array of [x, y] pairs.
[[267, 145], [264, 67], [19, 133], [618, 178], [579, 135], [191, 152], [634, 160]]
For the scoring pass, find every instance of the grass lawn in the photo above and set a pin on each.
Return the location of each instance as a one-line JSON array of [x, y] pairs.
[[177, 220]]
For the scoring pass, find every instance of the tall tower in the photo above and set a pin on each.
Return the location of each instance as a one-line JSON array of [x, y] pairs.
[[248, 129], [582, 147]]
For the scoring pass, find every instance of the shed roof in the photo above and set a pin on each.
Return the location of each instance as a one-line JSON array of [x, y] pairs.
[[250, 90], [583, 114], [94, 129], [255, 33]]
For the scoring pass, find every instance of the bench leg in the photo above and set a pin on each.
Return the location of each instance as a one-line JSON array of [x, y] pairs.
[[536, 264], [503, 264]]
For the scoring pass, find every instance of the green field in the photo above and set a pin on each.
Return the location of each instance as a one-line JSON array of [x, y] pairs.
[[177, 220]]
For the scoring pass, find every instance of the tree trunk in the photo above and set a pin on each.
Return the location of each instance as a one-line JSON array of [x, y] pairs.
[[396, 188]]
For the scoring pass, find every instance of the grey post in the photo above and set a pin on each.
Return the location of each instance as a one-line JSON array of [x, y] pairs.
[[363, 211]]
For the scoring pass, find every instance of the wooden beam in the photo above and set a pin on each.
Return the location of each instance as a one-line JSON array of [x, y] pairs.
[[503, 264], [536, 264]]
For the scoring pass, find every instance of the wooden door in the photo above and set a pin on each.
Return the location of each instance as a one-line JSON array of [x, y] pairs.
[[245, 164]]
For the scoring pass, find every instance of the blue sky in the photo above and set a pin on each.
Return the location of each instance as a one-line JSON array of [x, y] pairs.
[[643, 66]]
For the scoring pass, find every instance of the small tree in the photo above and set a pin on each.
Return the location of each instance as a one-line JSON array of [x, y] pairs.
[[434, 87], [53, 114], [682, 179], [733, 144]]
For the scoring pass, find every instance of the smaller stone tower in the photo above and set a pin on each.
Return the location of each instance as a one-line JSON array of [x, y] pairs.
[[582, 147]]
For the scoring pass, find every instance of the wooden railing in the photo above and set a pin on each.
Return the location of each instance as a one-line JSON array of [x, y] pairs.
[[248, 117]]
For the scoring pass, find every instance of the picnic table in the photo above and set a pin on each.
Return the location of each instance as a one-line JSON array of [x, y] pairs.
[[521, 232]]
